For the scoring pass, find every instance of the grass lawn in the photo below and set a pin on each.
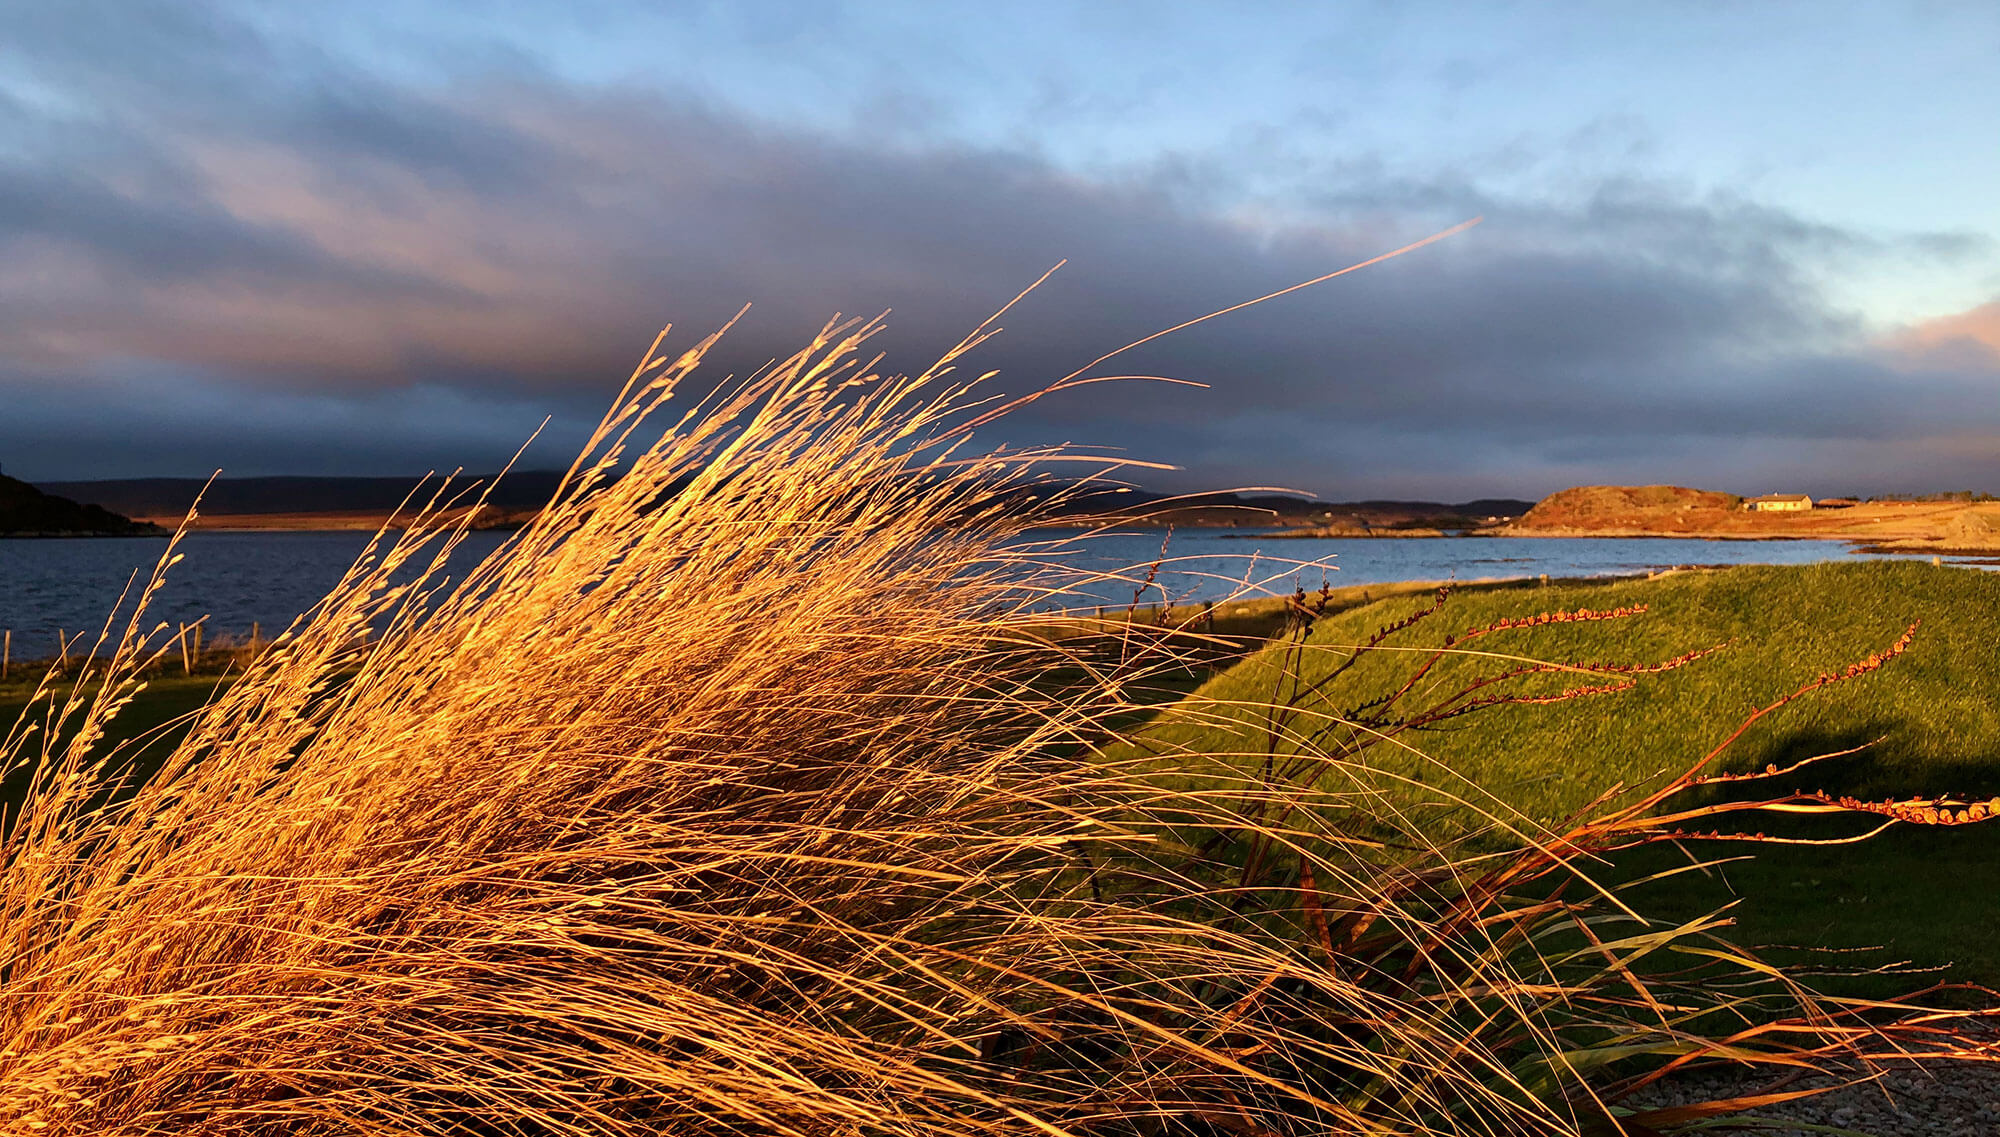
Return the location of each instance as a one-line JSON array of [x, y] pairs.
[[157, 712], [166, 698], [1925, 896], [1931, 722]]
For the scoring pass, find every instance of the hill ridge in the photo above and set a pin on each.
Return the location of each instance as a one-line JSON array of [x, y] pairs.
[[26, 511]]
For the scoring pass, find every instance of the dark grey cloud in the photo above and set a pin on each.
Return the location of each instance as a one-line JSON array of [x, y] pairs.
[[218, 249], [146, 420]]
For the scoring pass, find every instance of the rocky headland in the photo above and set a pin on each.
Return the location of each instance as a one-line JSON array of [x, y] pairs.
[[28, 512], [1943, 526]]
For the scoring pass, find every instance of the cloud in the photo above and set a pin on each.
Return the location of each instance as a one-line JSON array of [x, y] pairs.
[[246, 252], [1971, 337], [146, 420]]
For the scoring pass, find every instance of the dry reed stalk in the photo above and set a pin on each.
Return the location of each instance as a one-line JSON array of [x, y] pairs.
[[725, 798], [731, 796]]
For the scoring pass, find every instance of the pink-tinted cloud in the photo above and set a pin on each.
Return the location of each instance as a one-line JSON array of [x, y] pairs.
[[1972, 336]]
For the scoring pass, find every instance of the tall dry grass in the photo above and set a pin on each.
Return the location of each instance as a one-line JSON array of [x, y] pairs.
[[733, 795]]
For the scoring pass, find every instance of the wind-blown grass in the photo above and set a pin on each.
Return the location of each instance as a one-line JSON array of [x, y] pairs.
[[746, 808]]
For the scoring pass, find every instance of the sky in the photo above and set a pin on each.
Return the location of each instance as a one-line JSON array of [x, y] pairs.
[[1749, 247]]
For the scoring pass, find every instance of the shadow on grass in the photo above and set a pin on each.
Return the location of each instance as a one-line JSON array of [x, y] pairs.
[[158, 716], [1880, 757]]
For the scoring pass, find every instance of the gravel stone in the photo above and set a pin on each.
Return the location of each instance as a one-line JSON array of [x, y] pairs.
[[1932, 1099]]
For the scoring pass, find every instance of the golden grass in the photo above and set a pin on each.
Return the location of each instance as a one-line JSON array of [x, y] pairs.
[[741, 808]]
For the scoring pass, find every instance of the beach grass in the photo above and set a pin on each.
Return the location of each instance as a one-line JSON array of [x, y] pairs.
[[1921, 895], [753, 807]]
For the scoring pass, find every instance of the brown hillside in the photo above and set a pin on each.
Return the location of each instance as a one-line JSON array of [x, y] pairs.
[[1674, 511], [1652, 508]]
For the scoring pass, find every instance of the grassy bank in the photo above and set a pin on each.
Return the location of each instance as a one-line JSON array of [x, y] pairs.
[[1927, 724], [156, 718]]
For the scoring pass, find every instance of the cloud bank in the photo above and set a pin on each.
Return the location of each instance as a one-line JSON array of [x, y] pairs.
[[218, 248]]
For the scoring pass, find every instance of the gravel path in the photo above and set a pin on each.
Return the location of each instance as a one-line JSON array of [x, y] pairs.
[[1939, 1099]]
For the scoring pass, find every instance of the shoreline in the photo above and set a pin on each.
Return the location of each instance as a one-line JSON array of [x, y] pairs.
[[1544, 534], [154, 533], [1678, 535]]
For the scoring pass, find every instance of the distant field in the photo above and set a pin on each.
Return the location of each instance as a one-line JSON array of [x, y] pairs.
[[332, 520], [1931, 722]]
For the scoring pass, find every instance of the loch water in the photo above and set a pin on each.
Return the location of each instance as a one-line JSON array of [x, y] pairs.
[[240, 579]]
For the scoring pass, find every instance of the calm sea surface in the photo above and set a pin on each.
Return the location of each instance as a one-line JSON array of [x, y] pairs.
[[237, 579], [1210, 564]]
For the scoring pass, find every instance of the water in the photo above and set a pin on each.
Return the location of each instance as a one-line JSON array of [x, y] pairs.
[[1211, 564], [52, 586], [267, 579]]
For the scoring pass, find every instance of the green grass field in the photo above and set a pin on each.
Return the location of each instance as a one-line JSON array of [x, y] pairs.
[[1931, 722], [158, 714]]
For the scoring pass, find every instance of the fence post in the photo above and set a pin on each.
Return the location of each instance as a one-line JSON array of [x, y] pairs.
[[255, 629], [1208, 615], [6, 651], [62, 649]]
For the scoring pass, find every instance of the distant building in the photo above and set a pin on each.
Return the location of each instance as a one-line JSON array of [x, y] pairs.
[[1779, 503]]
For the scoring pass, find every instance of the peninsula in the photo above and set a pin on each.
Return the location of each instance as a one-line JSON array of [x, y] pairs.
[[1942, 523], [28, 512]]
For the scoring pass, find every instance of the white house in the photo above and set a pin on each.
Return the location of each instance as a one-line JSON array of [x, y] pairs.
[[1779, 503]]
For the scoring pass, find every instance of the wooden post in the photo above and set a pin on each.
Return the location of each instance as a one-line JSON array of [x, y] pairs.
[[197, 641], [62, 649], [6, 651], [255, 628], [1208, 614]]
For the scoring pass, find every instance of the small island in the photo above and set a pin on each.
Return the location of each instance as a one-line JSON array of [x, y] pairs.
[[28, 512]]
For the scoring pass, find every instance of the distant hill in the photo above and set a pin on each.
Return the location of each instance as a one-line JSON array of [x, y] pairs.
[[342, 502], [26, 511], [1280, 511], [170, 497], [1652, 508], [1940, 524]]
